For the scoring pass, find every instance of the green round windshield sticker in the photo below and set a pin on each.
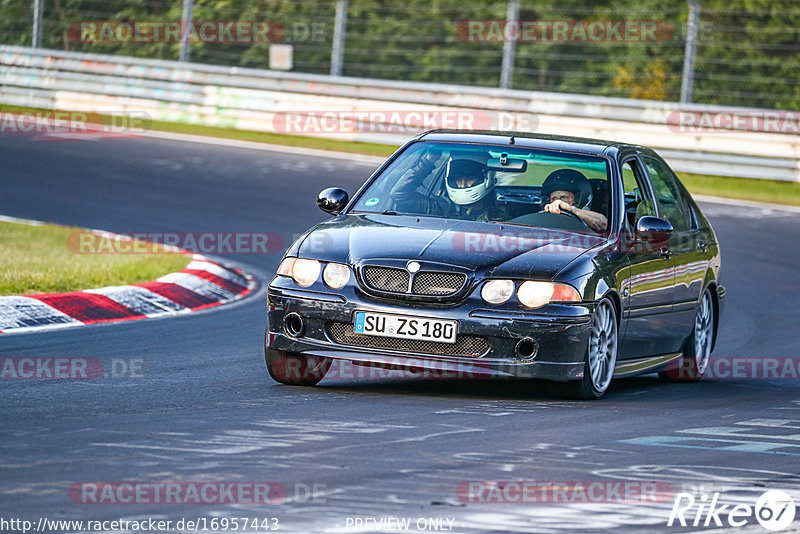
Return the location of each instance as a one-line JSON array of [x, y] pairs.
[[372, 201]]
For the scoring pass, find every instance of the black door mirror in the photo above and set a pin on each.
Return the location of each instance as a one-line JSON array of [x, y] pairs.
[[653, 229], [332, 200]]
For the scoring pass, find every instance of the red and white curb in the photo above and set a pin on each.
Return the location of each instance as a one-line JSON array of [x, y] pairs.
[[201, 284]]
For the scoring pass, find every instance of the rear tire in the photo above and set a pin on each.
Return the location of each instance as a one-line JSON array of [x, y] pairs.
[[294, 369], [697, 349], [600, 358]]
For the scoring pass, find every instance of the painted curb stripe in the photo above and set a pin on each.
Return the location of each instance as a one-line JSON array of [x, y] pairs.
[[25, 313], [88, 308], [185, 297], [198, 285], [234, 275], [139, 299], [231, 286]]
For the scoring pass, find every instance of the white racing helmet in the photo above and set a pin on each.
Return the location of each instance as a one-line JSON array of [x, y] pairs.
[[467, 168]]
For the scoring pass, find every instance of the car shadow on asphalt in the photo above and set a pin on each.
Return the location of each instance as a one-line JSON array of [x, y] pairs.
[[485, 389], [639, 389]]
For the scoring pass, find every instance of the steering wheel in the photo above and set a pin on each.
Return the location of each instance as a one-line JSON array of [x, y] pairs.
[[564, 212], [545, 219], [567, 213]]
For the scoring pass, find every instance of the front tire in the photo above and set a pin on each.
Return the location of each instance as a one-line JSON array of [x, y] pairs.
[[693, 364], [294, 369], [600, 358]]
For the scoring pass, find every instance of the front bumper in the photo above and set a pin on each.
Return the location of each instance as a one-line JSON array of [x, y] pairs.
[[560, 333]]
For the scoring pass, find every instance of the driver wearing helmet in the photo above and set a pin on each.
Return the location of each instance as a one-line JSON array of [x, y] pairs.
[[568, 190], [470, 186]]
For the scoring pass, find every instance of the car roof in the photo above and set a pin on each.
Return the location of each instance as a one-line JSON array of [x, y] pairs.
[[531, 140]]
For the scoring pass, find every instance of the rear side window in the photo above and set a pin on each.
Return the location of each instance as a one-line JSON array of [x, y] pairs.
[[672, 206]]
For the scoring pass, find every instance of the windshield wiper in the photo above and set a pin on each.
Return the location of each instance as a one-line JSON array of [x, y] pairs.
[[389, 212]]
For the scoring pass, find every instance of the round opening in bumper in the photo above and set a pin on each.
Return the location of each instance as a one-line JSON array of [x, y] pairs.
[[527, 349]]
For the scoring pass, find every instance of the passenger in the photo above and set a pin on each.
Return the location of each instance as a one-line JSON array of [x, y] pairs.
[[570, 191]]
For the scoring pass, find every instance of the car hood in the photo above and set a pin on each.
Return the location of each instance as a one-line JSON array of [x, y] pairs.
[[492, 249]]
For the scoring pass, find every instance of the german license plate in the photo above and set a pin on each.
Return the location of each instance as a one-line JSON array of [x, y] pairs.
[[405, 327]]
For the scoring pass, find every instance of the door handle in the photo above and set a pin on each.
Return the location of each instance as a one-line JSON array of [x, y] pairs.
[[702, 247], [665, 253]]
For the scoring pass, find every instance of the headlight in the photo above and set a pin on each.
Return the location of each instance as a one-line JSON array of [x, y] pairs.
[[497, 291], [305, 272], [537, 294], [336, 275]]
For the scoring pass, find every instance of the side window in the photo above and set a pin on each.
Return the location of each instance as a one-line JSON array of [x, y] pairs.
[[638, 201], [671, 204], [628, 178]]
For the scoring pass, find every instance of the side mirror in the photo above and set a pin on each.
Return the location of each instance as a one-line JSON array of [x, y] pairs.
[[653, 229], [332, 200]]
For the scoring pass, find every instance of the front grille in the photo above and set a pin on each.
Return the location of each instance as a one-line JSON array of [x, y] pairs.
[[435, 283], [465, 346], [423, 284], [386, 279]]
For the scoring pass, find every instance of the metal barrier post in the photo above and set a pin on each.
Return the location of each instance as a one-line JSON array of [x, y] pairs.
[[509, 46], [339, 26], [691, 50], [38, 10], [186, 20]]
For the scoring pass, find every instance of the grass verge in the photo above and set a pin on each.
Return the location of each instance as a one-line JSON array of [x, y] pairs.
[[773, 191], [36, 259]]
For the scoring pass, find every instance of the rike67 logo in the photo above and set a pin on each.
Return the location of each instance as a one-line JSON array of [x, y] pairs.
[[774, 510]]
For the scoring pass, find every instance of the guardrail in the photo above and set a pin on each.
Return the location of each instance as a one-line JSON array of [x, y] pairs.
[[249, 99]]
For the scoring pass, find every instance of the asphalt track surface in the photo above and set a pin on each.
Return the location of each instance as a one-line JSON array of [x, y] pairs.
[[204, 409]]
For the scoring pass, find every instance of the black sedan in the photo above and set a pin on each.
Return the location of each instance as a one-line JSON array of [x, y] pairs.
[[503, 254]]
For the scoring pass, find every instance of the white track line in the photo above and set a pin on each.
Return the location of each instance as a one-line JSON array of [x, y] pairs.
[[235, 143]]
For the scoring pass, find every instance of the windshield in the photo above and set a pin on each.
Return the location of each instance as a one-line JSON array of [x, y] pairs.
[[491, 183]]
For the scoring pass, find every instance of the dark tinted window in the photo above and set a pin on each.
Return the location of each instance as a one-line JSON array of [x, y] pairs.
[[638, 201], [671, 204]]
